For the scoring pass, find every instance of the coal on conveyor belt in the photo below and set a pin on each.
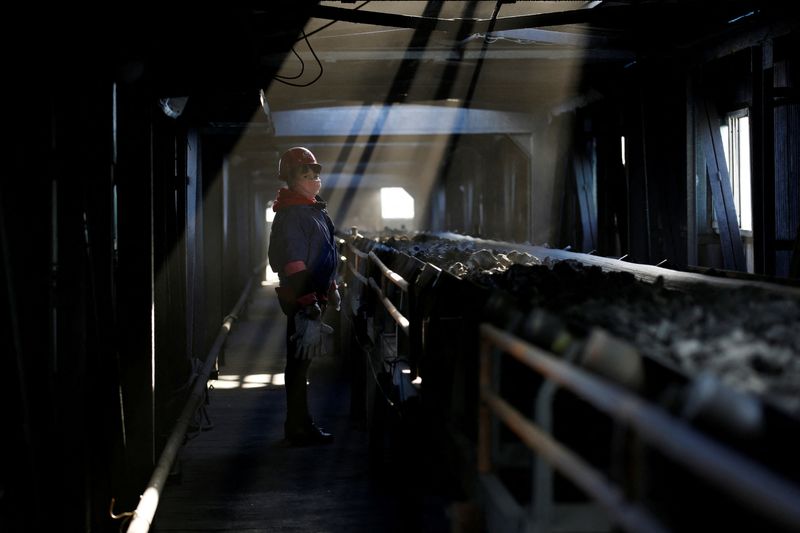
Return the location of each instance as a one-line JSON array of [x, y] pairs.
[[463, 259], [748, 337]]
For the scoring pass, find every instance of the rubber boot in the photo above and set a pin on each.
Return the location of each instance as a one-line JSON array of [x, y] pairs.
[[299, 428]]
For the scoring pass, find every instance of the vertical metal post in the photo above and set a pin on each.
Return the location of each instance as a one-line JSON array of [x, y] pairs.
[[691, 176], [484, 417], [763, 159], [542, 509]]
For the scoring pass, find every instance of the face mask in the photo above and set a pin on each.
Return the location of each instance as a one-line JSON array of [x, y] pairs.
[[308, 183]]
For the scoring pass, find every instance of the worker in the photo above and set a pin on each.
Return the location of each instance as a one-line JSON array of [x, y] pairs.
[[303, 253]]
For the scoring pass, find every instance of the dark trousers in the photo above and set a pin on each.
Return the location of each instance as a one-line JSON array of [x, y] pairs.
[[296, 375]]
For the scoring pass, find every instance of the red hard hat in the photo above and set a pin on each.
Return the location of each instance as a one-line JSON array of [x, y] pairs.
[[295, 157]]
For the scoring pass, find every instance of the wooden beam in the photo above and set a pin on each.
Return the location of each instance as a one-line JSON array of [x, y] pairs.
[[721, 192], [583, 186]]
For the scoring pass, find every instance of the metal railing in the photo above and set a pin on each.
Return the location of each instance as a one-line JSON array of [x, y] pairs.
[[391, 333], [401, 321], [749, 483], [148, 503], [354, 266]]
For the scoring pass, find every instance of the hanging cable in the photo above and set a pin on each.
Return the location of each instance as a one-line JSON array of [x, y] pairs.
[[318, 76], [282, 79], [302, 68], [329, 23]]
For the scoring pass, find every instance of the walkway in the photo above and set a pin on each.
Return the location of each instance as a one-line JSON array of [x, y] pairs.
[[241, 475]]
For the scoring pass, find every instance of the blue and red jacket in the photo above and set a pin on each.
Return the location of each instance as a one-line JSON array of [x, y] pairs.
[[302, 250]]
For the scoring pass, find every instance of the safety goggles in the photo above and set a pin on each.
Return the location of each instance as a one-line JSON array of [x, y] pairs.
[[314, 169]]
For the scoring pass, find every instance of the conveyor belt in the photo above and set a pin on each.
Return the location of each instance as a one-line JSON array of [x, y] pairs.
[[758, 436], [673, 279]]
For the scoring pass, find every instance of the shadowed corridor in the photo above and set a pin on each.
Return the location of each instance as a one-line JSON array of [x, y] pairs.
[[242, 476]]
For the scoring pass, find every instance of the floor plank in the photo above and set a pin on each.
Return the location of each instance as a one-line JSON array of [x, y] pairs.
[[242, 476]]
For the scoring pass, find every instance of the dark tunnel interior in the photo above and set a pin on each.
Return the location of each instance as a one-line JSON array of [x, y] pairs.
[[522, 191]]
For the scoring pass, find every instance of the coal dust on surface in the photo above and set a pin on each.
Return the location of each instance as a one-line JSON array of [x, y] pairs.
[[746, 336]]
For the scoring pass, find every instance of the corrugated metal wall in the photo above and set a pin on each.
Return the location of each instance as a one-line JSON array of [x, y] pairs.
[[787, 164]]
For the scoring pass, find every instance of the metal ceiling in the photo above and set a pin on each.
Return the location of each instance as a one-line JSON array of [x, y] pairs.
[[536, 57], [537, 53]]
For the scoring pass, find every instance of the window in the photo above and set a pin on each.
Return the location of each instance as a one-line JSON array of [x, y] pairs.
[[396, 203], [736, 143], [271, 275]]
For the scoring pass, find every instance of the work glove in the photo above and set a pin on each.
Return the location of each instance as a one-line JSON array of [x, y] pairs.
[[308, 334], [334, 298]]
